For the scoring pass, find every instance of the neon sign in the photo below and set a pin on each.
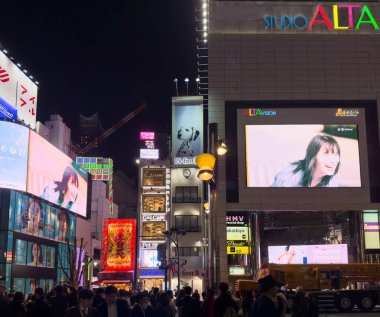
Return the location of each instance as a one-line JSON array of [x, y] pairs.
[[320, 17], [252, 112]]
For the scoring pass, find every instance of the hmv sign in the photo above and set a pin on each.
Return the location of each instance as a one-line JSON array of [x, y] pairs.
[[237, 218]]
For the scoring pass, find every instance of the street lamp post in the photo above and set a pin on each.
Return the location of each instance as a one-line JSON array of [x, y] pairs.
[[172, 234]]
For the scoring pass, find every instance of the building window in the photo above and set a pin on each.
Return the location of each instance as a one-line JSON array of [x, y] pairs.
[[188, 223], [186, 194], [188, 251]]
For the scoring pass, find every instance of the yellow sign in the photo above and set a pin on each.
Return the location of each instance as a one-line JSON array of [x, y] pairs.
[[237, 233], [238, 250]]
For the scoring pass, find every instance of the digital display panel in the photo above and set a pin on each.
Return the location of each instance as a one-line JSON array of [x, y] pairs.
[[371, 229], [154, 203], [100, 168], [308, 254], [14, 140], [309, 155], [149, 259], [55, 177], [34, 254], [153, 230], [154, 176]]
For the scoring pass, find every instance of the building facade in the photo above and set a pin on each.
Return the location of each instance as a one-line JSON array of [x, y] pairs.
[[279, 74]]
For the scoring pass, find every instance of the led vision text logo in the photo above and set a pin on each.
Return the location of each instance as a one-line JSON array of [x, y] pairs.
[[252, 112], [320, 17]]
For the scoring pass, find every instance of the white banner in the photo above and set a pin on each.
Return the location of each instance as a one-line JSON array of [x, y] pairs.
[[18, 90]]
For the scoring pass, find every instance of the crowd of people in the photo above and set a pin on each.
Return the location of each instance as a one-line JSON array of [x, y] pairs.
[[66, 301]]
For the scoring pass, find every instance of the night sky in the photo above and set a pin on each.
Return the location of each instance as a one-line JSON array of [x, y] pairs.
[[104, 56]]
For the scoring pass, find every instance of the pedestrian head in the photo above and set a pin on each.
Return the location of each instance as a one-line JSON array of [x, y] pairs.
[[39, 292], [123, 293], [223, 288], [59, 290], [299, 290], [111, 294], [85, 298], [170, 294], [163, 299], [142, 299], [100, 292], [2, 289], [210, 293], [187, 290], [267, 285], [196, 296], [18, 297]]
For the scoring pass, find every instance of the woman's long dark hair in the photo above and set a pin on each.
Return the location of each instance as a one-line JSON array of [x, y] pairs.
[[307, 165], [39, 252], [63, 184]]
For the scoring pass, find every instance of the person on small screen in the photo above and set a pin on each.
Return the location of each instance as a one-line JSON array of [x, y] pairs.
[[63, 226], [65, 192], [287, 256], [36, 255], [319, 168], [32, 218]]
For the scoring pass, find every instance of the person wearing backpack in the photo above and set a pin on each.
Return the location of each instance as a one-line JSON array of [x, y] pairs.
[[225, 306]]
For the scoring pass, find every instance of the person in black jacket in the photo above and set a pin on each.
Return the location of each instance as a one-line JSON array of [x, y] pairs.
[[59, 302], [224, 301], [142, 307], [164, 308], [112, 303], [84, 308], [99, 297], [3, 302], [264, 305], [40, 308], [187, 306], [17, 307]]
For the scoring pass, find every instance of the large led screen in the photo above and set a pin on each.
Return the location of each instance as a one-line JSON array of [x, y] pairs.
[[308, 254], [309, 155], [55, 177], [13, 155]]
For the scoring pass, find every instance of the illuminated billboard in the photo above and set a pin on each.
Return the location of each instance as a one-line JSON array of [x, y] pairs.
[[119, 240], [149, 259], [153, 230], [149, 154], [17, 91], [371, 229], [147, 136], [304, 155], [238, 233], [308, 254], [14, 140], [187, 127], [55, 177], [154, 203], [154, 177], [100, 168]]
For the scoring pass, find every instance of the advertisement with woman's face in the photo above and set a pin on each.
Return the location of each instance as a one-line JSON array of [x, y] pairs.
[[312, 155], [55, 177], [13, 155]]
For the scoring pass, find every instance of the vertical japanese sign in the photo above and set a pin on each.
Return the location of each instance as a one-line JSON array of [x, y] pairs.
[[119, 241], [18, 93]]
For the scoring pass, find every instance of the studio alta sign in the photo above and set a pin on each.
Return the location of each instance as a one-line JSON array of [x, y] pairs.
[[337, 17]]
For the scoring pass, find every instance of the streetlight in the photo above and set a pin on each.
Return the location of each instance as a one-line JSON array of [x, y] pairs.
[[206, 163], [187, 86], [197, 80], [222, 148], [176, 85], [172, 234]]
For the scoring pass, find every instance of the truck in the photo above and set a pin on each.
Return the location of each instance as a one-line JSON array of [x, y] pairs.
[[341, 286]]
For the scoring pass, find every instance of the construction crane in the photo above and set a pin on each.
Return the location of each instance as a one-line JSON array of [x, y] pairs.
[[111, 130]]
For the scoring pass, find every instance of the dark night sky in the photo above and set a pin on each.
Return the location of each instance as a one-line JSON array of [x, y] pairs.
[[104, 56]]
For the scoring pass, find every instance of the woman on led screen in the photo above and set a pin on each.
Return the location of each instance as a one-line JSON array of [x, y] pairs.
[[36, 255], [319, 168], [65, 192], [63, 226], [32, 218], [287, 256]]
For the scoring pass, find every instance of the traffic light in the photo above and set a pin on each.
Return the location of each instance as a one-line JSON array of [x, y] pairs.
[[161, 251]]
